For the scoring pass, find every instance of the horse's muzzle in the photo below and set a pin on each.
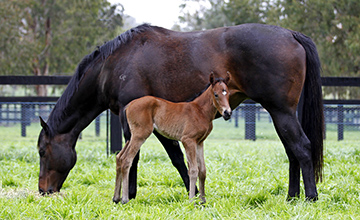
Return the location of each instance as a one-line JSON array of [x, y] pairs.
[[227, 115]]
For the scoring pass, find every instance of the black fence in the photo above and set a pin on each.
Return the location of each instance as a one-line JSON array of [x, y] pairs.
[[338, 117], [341, 114], [26, 113]]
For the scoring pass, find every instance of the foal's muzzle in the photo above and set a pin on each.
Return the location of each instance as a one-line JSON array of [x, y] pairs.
[[227, 115]]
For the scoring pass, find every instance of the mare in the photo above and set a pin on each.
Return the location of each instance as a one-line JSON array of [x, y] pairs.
[[188, 122], [268, 64]]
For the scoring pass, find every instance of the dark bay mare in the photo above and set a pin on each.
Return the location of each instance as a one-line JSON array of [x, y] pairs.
[[268, 64], [188, 122]]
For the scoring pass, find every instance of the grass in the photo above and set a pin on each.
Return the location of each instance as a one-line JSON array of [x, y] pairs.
[[245, 180]]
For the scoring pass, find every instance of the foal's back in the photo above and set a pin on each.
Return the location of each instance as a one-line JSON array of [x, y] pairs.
[[172, 120]]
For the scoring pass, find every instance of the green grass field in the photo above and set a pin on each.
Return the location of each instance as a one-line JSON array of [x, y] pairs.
[[245, 180]]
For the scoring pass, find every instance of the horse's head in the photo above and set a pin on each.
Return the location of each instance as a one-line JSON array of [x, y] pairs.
[[221, 95], [57, 158]]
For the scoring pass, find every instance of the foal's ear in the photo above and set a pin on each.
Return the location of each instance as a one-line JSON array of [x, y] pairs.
[[212, 78], [44, 126], [228, 76]]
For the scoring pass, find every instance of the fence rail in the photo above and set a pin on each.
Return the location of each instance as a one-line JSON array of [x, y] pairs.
[[338, 111]]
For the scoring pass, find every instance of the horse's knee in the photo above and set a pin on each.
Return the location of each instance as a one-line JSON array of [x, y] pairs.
[[303, 152]]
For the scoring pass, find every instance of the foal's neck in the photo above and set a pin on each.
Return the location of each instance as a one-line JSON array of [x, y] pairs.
[[205, 101]]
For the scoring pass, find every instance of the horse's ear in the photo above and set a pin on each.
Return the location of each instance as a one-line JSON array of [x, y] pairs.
[[44, 126], [227, 79], [212, 78]]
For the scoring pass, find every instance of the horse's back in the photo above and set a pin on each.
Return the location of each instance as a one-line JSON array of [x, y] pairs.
[[176, 65]]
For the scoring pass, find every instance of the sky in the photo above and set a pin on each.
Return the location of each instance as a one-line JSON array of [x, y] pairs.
[[162, 13]]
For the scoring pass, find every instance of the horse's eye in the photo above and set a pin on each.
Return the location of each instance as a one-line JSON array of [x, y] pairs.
[[216, 95], [41, 152]]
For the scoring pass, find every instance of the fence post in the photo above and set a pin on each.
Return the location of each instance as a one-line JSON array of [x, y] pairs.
[[250, 126], [97, 126], [1, 111], [236, 116], [115, 134], [340, 122], [24, 119]]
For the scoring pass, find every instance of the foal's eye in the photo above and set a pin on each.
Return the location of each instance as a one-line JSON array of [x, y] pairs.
[[216, 95]]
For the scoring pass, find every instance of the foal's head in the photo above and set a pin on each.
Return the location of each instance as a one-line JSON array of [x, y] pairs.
[[221, 95]]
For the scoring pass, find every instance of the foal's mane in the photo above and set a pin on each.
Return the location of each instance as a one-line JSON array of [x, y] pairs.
[[101, 52], [216, 80]]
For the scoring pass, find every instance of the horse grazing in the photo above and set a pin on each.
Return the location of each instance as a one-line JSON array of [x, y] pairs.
[[268, 64], [188, 122]]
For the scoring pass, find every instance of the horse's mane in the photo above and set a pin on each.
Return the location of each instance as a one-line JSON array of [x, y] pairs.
[[101, 52]]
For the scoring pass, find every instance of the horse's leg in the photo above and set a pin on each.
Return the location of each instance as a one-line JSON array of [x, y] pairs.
[[298, 150], [202, 171], [177, 158], [190, 150], [294, 175]]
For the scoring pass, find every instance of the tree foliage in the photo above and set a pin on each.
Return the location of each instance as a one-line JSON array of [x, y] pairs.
[[44, 37], [334, 25]]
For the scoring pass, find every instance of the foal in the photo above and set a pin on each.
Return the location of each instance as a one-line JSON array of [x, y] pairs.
[[188, 122]]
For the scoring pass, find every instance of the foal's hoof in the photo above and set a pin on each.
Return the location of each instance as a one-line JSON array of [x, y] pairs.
[[116, 200], [124, 201]]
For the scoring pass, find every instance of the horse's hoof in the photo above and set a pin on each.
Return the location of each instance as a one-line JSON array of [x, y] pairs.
[[292, 198], [312, 198]]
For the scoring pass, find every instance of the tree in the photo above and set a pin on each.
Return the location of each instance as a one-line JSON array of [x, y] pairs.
[[207, 16], [219, 13], [44, 37], [334, 25]]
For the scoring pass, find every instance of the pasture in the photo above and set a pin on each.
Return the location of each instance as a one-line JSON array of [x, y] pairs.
[[245, 180]]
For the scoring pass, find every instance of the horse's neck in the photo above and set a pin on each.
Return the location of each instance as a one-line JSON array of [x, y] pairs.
[[205, 101], [76, 113]]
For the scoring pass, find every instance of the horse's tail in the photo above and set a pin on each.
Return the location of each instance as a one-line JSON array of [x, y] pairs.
[[312, 110]]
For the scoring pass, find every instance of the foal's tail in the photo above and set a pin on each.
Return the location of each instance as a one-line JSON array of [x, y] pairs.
[[313, 115]]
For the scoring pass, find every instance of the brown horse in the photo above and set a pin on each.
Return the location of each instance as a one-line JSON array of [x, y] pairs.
[[268, 64], [188, 122]]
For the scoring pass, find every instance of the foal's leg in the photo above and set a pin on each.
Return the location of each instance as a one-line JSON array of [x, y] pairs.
[[126, 160], [298, 149], [133, 169], [190, 149], [176, 156], [202, 171], [118, 179]]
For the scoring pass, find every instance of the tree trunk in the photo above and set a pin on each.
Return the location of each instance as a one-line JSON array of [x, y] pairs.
[[42, 58]]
